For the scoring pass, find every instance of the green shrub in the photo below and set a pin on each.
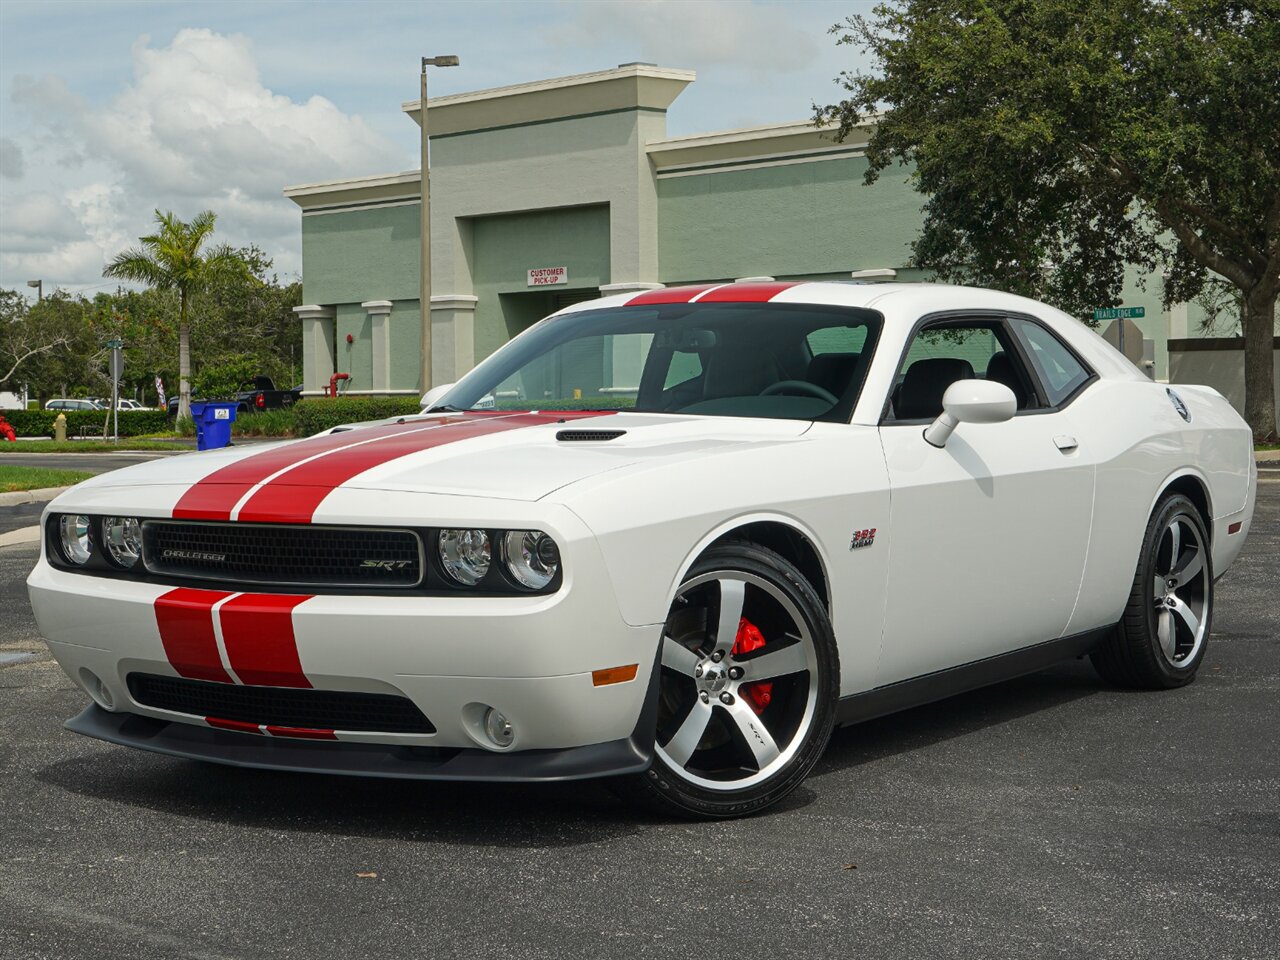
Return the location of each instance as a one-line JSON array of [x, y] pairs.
[[39, 423], [265, 423], [320, 413]]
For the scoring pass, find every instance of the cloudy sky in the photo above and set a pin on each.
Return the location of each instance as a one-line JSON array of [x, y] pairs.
[[111, 108]]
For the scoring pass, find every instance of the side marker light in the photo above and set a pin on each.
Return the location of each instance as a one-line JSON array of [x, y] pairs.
[[602, 678]]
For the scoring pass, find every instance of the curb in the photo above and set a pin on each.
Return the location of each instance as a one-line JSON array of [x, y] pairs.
[[25, 535], [30, 496], [1266, 456]]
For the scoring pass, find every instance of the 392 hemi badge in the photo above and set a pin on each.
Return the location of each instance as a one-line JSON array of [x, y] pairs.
[[862, 538]]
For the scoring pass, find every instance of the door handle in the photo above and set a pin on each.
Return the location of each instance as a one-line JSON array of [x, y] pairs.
[[1065, 444]]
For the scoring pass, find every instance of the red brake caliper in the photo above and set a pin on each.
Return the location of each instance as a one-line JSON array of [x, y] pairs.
[[748, 640]]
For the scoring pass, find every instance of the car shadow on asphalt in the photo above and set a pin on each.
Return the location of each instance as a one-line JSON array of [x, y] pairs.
[[471, 814], [960, 715], [508, 815]]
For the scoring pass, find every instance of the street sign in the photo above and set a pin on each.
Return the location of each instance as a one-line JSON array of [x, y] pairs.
[[1119, 313], [117, 364]]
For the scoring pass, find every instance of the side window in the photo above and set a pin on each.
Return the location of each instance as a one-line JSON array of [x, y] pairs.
[[941, 355], [1060, 372]]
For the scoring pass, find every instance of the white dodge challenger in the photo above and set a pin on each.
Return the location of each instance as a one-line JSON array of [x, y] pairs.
[[677, 536]]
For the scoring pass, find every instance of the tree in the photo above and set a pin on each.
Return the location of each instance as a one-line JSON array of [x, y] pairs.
[[1058, 140], [38, 342], [170, 259]]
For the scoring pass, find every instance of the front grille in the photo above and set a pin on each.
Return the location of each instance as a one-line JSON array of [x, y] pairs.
[[283, 555], [279, 706]]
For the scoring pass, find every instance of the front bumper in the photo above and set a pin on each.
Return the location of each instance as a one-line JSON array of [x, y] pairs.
[[614, 758], [531, 658]]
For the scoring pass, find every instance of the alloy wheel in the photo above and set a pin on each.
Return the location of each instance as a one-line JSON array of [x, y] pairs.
[[739, 688], [1180, 591]]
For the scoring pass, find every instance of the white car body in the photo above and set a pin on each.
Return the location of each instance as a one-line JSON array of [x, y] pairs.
[[1000, 547], [72, 404]]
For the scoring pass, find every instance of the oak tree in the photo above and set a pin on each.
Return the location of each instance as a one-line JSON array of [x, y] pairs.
[[1056, 141]]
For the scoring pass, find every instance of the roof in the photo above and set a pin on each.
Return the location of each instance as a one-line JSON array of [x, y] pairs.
[[629, 86], [907, 299]]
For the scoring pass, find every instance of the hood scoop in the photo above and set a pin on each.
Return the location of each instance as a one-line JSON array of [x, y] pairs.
[[594, 436]]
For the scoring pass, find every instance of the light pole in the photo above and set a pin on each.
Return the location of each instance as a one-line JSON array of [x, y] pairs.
[[424, 285], [39, 285]]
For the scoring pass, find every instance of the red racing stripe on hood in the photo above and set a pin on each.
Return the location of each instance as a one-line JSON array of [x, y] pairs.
[[185, 619], [214, 497], [746, 292], [294, 496], [670, 294], [257, 632]]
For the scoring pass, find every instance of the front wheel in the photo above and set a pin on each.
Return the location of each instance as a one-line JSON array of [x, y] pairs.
[[748, 686], [1162, 639]]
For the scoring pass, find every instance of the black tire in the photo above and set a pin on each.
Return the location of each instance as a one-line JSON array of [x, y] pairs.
[[804, 721], [1133, 655]]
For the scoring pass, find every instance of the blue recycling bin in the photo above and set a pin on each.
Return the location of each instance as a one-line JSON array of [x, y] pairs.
[[213, 424]]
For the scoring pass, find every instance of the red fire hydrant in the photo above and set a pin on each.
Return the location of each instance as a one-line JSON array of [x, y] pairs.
[[332, 389], [6, 430]]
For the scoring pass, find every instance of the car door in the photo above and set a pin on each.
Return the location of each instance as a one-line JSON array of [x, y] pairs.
[[989, 533]]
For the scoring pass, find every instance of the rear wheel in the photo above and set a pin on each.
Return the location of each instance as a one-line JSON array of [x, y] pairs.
[[747, 689], [1161, 641]]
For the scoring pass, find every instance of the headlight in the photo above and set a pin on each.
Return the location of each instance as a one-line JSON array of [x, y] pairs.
[[123, 538], [464, 554], [73, 531], [531, 556]]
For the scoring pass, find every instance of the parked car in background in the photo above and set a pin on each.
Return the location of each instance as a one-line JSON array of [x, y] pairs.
[[260, 393], [677, 535], [66, 403], [126, 404]]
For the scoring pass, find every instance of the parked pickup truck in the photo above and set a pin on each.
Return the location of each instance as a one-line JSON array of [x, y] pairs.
[[260, 393]]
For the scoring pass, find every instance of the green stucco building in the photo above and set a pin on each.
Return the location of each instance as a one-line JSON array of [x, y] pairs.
[[547, 193]]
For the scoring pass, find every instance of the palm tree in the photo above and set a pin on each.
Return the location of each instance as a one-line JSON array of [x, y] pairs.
[[170, 259]]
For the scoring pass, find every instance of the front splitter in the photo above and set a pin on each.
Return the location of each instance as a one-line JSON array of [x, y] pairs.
[[193, 742]]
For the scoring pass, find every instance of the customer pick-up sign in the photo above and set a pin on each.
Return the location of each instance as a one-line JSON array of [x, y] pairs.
[[548, 276]]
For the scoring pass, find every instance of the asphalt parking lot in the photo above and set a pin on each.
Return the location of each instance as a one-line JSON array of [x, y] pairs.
[[1047, 817]]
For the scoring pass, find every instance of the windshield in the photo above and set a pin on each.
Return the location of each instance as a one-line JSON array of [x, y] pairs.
[[787, 361]]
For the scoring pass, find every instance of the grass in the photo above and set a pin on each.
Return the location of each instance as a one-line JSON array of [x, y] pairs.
[[89, 446], [1266, 446], [34, 478]]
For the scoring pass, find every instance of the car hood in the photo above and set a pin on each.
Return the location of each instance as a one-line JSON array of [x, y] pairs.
[[520, 456]]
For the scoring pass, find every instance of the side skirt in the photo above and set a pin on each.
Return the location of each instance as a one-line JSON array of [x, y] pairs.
[[970, 676]]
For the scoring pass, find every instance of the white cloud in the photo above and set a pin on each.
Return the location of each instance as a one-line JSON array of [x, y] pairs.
[[757, 38], [38, 221], [195, 128]]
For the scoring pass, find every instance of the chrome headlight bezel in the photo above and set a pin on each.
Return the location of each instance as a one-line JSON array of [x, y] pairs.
[[465, 554], [122, 541], [75, 540], [531, 558]]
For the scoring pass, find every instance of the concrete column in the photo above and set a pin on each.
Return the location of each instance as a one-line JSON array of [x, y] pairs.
[[317, 346], [453, 336], [380, 320]]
